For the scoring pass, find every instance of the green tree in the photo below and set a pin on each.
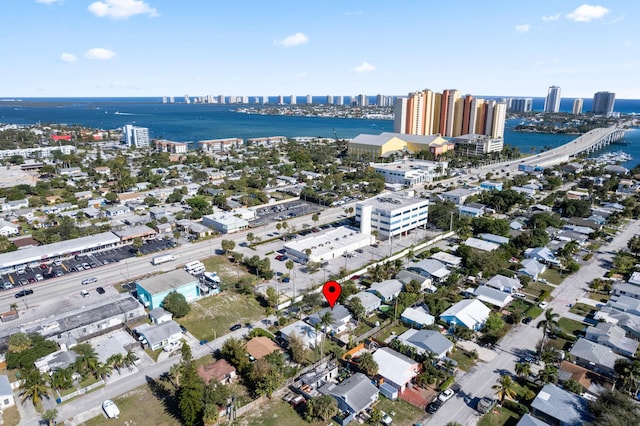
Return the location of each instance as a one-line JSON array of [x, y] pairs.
[[548, 325], [227, 245], [191, 391], [367, 365], [356, 308], [177, 304], [297, 349], [111, 197], [321, 407], [50, 415], [573, 386], [35, 387], [326, 321], [523, 369], [233, 350], [272, 297], [634, 245], [505, 388], [19, 342], [615, 409], [87, 360], [494, 323]]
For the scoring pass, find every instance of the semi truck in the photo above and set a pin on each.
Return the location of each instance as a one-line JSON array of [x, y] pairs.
[[157, 260]]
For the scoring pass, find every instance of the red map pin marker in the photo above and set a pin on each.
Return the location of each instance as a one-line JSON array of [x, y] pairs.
[[331, 291]]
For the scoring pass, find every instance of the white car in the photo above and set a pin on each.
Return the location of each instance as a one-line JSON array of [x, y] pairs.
[[543, 305], [386, 419], [520, 295], [172, 346], [446, 395], [111, 409]]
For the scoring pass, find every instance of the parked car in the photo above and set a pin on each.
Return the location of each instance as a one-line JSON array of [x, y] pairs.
[[434, 406], [89, 280], [84, 293], [543, 305], [446, 395], [58, 273], [520, 295], [235, 327], [485, 404], [23, 282], [23, 293], [39, 277], [172, 346], [100, 290], [43, 266], [527, 320]]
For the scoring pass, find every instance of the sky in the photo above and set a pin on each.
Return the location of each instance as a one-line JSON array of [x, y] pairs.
[[87, 48]]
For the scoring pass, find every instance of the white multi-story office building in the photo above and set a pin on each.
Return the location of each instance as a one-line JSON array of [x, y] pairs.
[[411, 172], [474, 144], [577, 106], [135, 136], [552, 102], [392, 214], [340, 100]]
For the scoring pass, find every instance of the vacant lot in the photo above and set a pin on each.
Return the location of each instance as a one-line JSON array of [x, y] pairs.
[[212, 316], [403, 413], [276, 413]]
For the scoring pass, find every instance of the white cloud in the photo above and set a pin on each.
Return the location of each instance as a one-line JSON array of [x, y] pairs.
[[551, 18], [99, 53], [292, 40], [121, 9], [48, 1], [364, 67], [587, 12], [68, 57], [523, 28]]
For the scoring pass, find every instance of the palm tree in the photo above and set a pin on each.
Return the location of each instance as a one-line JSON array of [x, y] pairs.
[[326, 320], [35, 387], [130, 358], [62, 378], [116, 361], [87, 360], [102, 370], [549, 374], [504, 388], [13, 306], [175, 374], [290, 265], [549, 324], [628, 373], [523, 369]]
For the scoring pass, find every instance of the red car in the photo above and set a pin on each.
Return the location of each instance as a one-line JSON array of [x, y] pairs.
[[43, 266], [281, 257]]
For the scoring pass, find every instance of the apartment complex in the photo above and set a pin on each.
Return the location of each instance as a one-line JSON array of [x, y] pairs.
[[171, 146], [134, 136], [448, 114], [410, 172], [392, 214], [521, 104], [577, 106], [603, 103], [552, 101]]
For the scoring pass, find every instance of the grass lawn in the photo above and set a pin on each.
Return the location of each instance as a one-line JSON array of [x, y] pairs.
[[397, 330], [154, 354], [276, 413], [138, 407], [603, 298], [361, 329], [533, 312], [581, 309], [571, 327], [213, 315], [536, 288], [228, 271], [464, 361], [553, 276], [499, 416], [406, 414]]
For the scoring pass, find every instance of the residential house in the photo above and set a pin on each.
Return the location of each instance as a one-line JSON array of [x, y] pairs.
[[506, 284], [6, 393], [425, 341], [447, 259], [387, 290], [261, 346], [479, 244], [629, 321], [529, 420], [396, 369], [220, 371], [8, 229], [370, 302], [307, 333], [457, 196], [55, 361], [117, 211], [624, 304], [469, 211], [493, 296], [594, 356], [468, 313], [354, 395], [431, 268], [542, 255], [592, 383], [405, 277], [626, 289], [557, 406], [493, 238], [613, 337], [417, 317], [159, 315], [340, 318], [635, 278], [532, 268], [159, 336]]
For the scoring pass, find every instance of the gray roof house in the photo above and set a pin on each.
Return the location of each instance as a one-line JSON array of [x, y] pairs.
[[159, 315], [427, 341], [309, 336], [430, 268], [529, 420], [506, 284], [594, 356], [417, 317], [613, 337], [387, 290], [557, 406], [629, 321], [6, 393], [493, 296], [532, 268], [626, 289], [160, 335], [353, 395], [625, 304], [370, 302], [406, 277], [541, 254], [341, 317]]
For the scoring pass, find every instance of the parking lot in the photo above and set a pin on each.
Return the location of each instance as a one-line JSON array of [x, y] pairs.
[[285, 211], [35, 272]]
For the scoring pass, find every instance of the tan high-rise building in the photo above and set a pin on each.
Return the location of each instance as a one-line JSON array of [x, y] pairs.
[[476, 116], [414, 115], [448, 111], [437, 106], [499, 117]]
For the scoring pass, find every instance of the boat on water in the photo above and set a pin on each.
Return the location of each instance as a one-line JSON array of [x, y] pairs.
[[111, 409], [612, 158]]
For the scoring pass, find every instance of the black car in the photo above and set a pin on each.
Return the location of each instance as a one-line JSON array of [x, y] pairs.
[[100, 290], [235, 327], [183, 328], [434, 406], [23, 293], [527, 320]]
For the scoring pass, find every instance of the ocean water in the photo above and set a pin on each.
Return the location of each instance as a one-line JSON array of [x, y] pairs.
[[193, 122]]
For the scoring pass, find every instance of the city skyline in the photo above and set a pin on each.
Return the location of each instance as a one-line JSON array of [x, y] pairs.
[[158, 48]]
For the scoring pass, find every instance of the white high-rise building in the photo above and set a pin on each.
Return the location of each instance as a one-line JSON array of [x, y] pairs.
[[499, 117], [135, 136], [552, 102], [400, 115], [392, 214], [309, 100], [187, 100], [577, 106], [340, 100], [329, 100], [292, 100]]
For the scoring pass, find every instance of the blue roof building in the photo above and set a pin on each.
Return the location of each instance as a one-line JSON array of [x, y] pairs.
[[152, 291]]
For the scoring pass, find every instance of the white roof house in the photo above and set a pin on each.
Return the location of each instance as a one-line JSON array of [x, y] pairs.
[[387, 290], [532, 268], [340, 315], [469, 313], [506, 284], [370, 302], [493, 296], [6, 393], [395, 368], [447, 258], [419, 317], [427, 341], [307, 333], [635, 278], [430, 268], [481, 244]]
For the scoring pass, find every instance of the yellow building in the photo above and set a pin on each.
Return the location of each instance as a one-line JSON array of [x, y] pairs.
[[385, 144]]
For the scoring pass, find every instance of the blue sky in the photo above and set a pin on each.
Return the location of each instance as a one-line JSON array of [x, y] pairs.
[[271, 47]]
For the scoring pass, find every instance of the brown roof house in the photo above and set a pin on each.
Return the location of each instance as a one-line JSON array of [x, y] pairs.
[[220, 371], [261, 346]]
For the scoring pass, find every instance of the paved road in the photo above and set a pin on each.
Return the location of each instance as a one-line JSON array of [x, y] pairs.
[[477, 383]]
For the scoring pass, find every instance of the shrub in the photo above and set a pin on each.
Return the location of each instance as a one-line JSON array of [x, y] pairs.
[[445, 385], [516, 407]]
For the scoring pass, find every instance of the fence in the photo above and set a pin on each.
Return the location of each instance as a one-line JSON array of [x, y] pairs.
[[82, 391]]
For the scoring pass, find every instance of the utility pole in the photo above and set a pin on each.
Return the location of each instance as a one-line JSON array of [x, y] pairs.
[[451, 223]]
